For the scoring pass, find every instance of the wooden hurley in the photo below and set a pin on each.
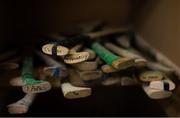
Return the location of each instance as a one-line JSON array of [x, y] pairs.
[[156, 93], [148, 76], [142, 45], [87, 65], [90, 75], [75, 79], [166, 85], [124, 41], [21, 106], [106, 32], [116, 61], [108, 69], [30, 84], [73, 92], [92, 54], [55, 69], [159, 67], [138, 61], [76, 57], [52, 49], [17, 81], [111, 80]]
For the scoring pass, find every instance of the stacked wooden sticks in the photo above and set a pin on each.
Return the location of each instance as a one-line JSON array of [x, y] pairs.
[[107, 57], [151, 71]]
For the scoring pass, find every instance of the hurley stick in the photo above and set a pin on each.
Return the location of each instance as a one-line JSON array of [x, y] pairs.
[[76, 57], [143, 46], [90, 75], [148, 76], [156, 93], [21, 106], [124, 41], [109, 69], [111, 59], [75, 79], [73, 92], [106, 32], [55, 69], [54, 49], [139, 61], [159, 67], [92, 54], [30, 84], [165, 84], [111, 80], [17, 81], [87, 65]]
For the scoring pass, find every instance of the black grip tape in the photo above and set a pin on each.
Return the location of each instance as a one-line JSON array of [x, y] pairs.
[[166, 86]]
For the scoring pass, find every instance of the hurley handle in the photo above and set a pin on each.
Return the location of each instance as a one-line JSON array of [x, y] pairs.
[[105, 54], [106, 32], [120, 51], [27, 68]]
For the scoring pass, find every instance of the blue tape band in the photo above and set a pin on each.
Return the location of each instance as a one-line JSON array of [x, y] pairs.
[[56, 72]]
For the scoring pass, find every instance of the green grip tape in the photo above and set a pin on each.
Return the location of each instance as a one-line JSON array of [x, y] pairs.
[[27, 67], [27, 72], [105, 54]]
